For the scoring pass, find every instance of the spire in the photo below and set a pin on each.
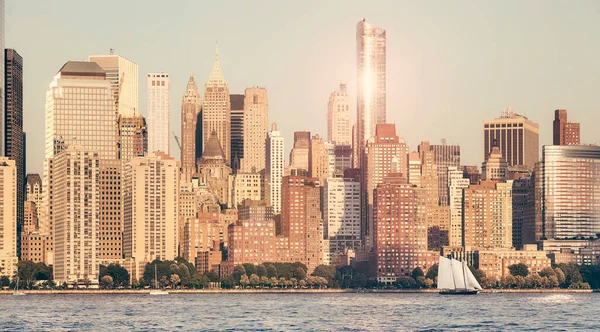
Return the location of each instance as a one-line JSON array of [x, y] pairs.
[[216, 76]]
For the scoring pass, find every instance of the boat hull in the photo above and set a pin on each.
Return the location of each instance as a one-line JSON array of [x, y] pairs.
[[458, 292]]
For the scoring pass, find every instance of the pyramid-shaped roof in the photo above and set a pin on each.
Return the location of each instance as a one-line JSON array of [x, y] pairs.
[[216, 77], [213, 149]]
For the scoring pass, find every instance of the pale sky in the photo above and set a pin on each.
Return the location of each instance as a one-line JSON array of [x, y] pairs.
[[450, 64]]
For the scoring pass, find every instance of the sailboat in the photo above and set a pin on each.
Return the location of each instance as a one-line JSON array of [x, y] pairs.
[[455, 278], [17, 292], [157, 291]]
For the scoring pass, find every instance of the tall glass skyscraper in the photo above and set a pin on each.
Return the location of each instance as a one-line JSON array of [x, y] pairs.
[[570, 191], [371, 81], [159, 112]]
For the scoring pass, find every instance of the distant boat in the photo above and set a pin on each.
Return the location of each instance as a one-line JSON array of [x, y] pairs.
[[455, 278], [157, 291]]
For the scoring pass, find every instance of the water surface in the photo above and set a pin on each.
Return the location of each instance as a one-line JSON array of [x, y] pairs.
[[315, 312]]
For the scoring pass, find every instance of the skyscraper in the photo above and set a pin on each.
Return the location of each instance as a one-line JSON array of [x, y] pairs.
[[318, 160], [341, 215], [394, 223], [216, 110], [110, 228], [494, 167], [133, 138], [339, 129], [371, 80], [445, 156], [275, 166], [190, 108], [381, 153], [151, 210], [92, 122], [301, 220], [299, 153], [8, 215], [123, 77], [456, 185], [14, 140], [516, 136], [256, 126], [487, 215], [564, 132], [237, 130], [570, 191], [159, 112], [76, 209], [2, 115], [33, 190]]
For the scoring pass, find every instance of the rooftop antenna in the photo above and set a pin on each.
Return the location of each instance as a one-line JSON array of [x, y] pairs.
[[112, 51]]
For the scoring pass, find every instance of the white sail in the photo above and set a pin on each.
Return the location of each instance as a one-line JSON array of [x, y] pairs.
[[445, 277], [459, 274], [471, 280]]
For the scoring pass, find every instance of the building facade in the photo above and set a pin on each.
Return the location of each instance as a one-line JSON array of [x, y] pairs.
[[563, 131], [394, 228], [456, 185], [8, 217], [300, 151], [256, 126], [516, 136], [494, 167], [371, 81], [76, 209], [237, 130], [570, 194], [133, 138], [341, 215], [216, 109], [274, 168], [14, 137], [191, 104], [445, 156], [339, 128], [252, 242], [159, 112], [123, 77]]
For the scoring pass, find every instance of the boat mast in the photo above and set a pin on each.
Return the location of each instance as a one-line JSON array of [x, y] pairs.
[[452, 273], [464, 274], [155, 278]]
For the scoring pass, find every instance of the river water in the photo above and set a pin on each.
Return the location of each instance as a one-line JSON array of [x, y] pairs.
[[314, 312]]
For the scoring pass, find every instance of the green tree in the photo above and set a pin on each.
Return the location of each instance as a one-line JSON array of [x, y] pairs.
[[264, 281], [547, 272], [424, 282], [591, 275], [300, 273], [119, 274], [227, 282], [254, 280], [4, 281], [327, 272], [572, 274], [432, 273], [29, 272], [106, 282], [560, 276], [212, 276], [87, 282], [416, 273], [406, 282], [175, 280], [238, 272], [274, 281], [250, 269], [519, 269], [271, 271], [244, 281], [261, 271]]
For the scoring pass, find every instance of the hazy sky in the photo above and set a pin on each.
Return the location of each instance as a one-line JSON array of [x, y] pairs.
[[450, 64]]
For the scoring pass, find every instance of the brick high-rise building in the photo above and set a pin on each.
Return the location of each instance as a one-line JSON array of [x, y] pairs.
[[254, 210], [256, 126], [252, 242], [487, 215], [339, 129], [456, 184], [472, 173], [394, 222], [243, 186], [8, 216], [516, 136], [133, 138], [564, 132], [319, 159], [191, 104], [76, 209], [523, 220], [216, 110], [301, 220], [300, 151], [159, 112], [110, 228], [14, 140], [382, 152]]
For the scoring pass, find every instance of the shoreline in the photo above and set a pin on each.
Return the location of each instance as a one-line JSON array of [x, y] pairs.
[[277, 291]]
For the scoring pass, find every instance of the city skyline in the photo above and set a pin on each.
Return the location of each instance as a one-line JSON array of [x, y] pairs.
[[433, 86]]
